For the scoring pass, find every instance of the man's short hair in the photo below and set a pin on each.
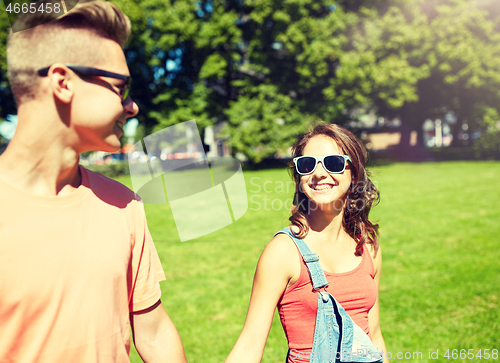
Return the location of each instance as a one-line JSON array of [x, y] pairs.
[[71, 38]]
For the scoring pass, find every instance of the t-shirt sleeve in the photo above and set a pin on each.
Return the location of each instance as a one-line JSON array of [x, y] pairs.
[[146, 269]]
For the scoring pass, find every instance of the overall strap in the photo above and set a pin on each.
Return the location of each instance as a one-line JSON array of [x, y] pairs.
[[311, 259]]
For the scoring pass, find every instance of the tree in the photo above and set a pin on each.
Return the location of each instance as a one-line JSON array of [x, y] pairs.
[[7, 105], [268, 68], [459, 43], [183, 54]]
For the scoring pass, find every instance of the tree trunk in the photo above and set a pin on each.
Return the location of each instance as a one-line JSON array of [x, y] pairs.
[[405, 151]]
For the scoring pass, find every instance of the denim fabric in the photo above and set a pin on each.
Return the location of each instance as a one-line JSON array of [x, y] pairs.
[[336, 337]]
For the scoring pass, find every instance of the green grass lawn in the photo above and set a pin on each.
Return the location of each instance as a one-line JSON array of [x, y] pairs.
[[441, 275]]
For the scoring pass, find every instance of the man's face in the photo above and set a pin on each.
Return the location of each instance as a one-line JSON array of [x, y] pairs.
[[97, 112]]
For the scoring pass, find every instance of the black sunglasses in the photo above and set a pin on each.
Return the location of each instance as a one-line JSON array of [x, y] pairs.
[[94, 72], [334, 164]]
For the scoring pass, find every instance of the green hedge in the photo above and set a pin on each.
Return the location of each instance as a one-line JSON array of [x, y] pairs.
[[111, 170], [488, 146]]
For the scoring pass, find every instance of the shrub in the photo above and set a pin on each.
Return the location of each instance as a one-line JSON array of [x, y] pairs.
[[488, 145], [112, 170]]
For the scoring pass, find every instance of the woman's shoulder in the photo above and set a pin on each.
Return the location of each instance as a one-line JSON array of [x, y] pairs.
[[282, 244], [284, 241], [282, 254], [375, 255]]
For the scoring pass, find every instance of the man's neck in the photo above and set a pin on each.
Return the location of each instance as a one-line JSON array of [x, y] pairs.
[[35, 172], [39, 159]]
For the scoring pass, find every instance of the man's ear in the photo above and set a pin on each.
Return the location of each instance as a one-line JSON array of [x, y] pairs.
[[62, 83]]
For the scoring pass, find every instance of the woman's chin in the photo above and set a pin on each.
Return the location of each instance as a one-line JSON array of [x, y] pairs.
[[327, 206]]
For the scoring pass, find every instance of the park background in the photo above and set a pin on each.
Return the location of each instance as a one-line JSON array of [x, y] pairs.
[[257, 73]]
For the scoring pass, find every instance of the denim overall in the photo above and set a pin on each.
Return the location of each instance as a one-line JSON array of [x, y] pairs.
[[336, 337]]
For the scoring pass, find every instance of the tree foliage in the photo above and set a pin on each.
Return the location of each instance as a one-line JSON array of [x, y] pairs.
[[7, 104], [460, 44], [266, 69]]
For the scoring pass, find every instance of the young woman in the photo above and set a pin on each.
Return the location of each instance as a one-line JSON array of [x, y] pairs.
[[333, 196]]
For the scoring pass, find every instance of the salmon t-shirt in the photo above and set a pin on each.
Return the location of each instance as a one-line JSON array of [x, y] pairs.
[[72, 268]]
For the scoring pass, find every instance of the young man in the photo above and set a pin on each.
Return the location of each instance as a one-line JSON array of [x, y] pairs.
[[78, 267]]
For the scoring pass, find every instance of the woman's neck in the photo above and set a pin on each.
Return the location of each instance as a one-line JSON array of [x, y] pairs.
[[327, 225]]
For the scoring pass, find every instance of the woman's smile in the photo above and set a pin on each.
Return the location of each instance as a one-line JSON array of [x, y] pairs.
[[322, 187]]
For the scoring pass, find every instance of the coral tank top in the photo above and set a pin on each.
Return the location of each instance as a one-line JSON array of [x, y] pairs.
[[355, 290]]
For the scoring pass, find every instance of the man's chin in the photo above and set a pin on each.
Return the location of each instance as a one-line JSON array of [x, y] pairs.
[[113, 144], [110, 148], [115, 149]]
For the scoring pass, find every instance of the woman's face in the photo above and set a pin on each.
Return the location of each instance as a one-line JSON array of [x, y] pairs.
[[325, 190]]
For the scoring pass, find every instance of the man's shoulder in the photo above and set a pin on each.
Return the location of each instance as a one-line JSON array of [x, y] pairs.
[[109, 190]]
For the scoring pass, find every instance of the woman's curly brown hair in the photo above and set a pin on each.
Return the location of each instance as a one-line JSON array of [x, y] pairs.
[[362, 194]]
